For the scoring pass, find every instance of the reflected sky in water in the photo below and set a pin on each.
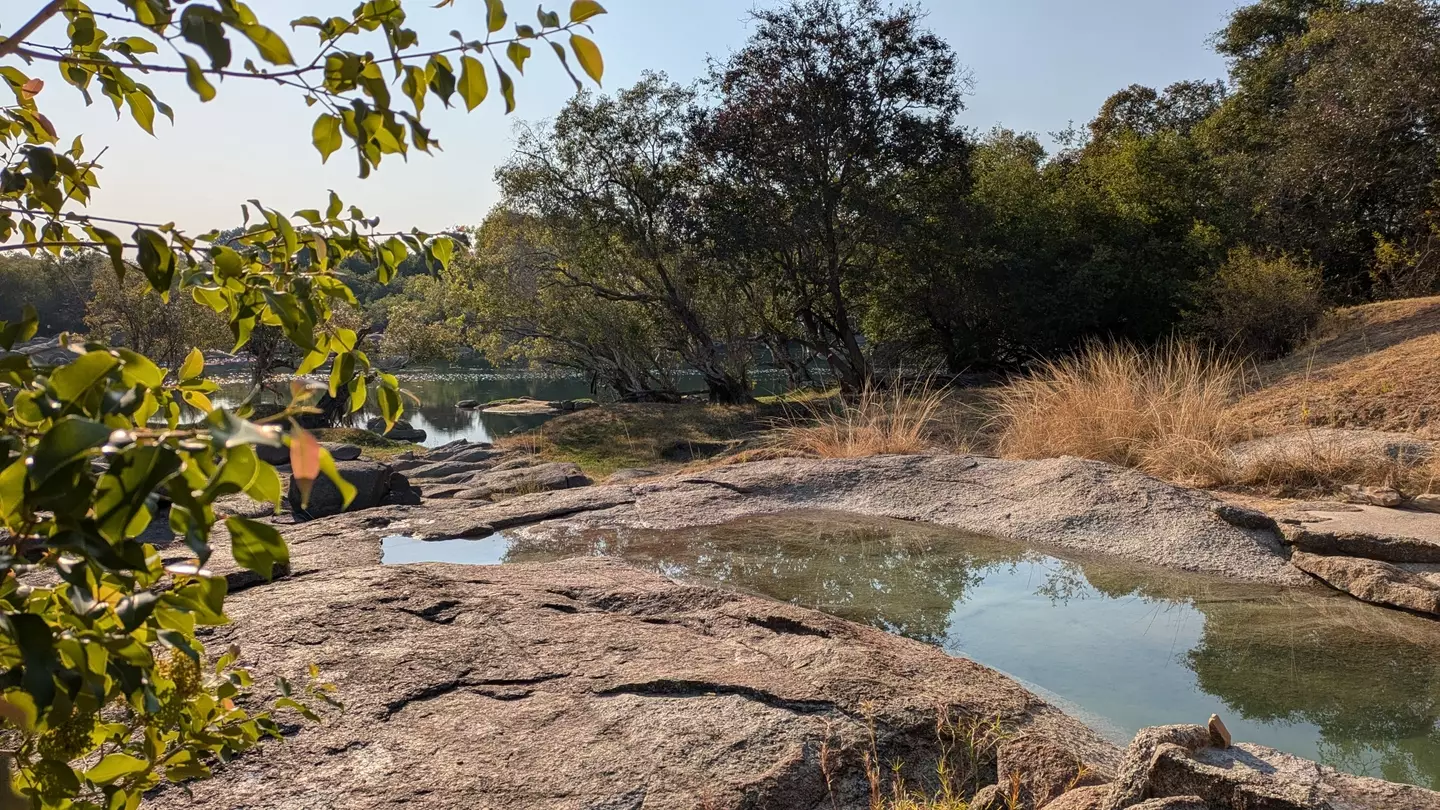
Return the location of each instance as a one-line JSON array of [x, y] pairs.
[[1305, 671]]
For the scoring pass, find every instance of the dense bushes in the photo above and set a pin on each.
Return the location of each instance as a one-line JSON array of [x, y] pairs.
[[1258, 306]]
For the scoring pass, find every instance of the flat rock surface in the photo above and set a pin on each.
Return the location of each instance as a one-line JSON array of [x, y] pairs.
[[1372, 581], [1391, 535], [586, 684], [1332, 442]]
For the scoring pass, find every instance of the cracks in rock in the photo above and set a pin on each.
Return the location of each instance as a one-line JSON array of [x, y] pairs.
[[442, 612], [672, 688], [784, 626], [739, 490], [464, 683], [559, 608], [531, 518]]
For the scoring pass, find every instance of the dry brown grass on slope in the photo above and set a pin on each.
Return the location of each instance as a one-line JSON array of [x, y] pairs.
[[1375, 366], [895, 422], [1163, 411]]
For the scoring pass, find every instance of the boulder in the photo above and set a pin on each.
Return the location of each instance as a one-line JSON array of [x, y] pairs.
[[342, 452], [521, 407], [1372, 581], [402, 432], [444, 469], [372, 482], [1035, 772], [1388, 497], [587, 684], [468, 404], [538, 478], [1174, 803]]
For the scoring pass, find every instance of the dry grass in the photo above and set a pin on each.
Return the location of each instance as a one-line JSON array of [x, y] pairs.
[[900, 421], [1163, 411], [1316, 464], [1372, 366]]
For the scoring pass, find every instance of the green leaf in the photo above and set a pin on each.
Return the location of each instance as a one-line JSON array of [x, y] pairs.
[[140, 370], [588, 54], [195, 77], [115, 766], [335, 207], [495, 14], [271, 46], [582, 10], [257, 546], [347, 489], [326, 135], [75, 378], [473, 85], [142, 110], [443, 249], [193, 366], [120, 508], [518, 54], [507, 89], [68, 440]]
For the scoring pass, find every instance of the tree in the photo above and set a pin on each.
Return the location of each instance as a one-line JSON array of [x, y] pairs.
[[128, 313], [619, 176], [1331, 134], [105, 690], [821, 117]]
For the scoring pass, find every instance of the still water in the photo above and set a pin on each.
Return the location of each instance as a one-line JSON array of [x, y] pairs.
[[438, 389], [1321, 676]]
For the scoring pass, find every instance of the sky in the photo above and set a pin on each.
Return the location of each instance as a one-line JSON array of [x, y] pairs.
[[1037, 66]]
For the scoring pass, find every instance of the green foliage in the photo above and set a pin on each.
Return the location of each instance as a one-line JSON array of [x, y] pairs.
[[128, 313], [106, 691], [1258, 306]]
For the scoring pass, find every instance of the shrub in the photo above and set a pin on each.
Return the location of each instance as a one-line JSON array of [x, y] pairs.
[[1258, 306], [1161, 410], [876, 422]]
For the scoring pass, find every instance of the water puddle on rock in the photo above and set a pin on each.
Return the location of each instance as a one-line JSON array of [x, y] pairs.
[[1315, 674]]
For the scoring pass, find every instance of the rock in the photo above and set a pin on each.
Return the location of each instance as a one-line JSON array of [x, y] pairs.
[[629, 474], [521, 407], [1219, 734], [468, 404], [1085, 798], [1372, 581], [1174, 803], [402, 432], [1388, 497], [402, 492], [1391, 535], [1425, 503], [1132, 781], [342, 452], [539, 478], [372, 482], [1035, 772], [987, 798], [443, 469], [586, 684], [476, 454], [1069, 504]]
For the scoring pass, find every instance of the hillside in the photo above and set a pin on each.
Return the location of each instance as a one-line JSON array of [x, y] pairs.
[[1375, 366]]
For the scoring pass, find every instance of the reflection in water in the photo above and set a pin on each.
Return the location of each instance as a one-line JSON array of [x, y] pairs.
[[438, 389], [1318, 675]]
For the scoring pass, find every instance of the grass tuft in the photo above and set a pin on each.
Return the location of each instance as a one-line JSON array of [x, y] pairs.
[[895, 422], [1161, 410]]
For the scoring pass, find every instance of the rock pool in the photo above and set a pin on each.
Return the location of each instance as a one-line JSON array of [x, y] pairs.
[[1121, 646]]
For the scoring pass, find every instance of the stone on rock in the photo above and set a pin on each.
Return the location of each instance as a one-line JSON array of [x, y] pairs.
[[1219, 734], [1132, 782], [371, 480], [402, 432], [402, 492], [1372, 581], [342, 452], [1036, 772], [272, 455]]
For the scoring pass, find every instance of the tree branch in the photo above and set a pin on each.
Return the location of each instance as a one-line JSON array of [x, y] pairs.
[[12, 43]]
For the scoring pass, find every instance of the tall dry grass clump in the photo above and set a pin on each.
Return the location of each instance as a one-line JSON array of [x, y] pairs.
[[1161, 410], [878, 422]]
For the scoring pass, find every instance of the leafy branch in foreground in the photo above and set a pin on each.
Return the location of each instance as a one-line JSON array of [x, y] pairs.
[[105, 689]]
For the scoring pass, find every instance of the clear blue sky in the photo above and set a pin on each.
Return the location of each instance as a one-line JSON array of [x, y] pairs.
[[1037, 65]]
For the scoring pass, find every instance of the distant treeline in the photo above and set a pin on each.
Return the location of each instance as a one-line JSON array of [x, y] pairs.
[[817, 200]]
